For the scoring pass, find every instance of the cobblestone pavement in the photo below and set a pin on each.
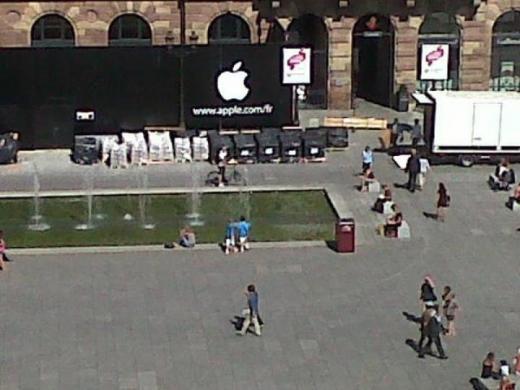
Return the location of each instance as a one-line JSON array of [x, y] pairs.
[[161, 320]]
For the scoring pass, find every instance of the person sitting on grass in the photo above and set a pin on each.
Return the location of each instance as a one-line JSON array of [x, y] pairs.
[[366, 178], [187, 237], [384, 196], [392, 224]]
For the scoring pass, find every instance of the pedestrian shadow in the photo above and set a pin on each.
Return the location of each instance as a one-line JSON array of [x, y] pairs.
[[430, 215], [412, 344], [477, 384], [412, 317], [401, 185], [237, 322]]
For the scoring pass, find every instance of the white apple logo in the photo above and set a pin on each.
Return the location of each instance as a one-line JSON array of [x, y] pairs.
[[231, 84]]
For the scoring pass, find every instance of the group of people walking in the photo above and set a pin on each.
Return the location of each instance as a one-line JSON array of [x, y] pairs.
[[431, 323], [237, 236]]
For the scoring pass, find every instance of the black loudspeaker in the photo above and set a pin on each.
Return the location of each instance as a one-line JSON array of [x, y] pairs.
[[337, 137], [245, 147], [216, 142], [314, 144], [291, 147], [268, 146], [86, 150]]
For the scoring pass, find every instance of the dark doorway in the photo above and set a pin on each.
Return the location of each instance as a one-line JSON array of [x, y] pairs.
[[505, 58], [276, 33], [310, 30], [373, 60]]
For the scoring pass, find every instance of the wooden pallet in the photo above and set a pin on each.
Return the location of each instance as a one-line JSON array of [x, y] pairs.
[[356, 123]]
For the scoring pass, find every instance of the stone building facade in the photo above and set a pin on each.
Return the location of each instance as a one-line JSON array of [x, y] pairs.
[[473, 51]]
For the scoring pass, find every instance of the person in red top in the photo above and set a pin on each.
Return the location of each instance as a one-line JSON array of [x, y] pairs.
[[3, 256], [443, 202]]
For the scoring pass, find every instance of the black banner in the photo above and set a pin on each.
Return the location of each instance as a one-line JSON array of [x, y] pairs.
[[235, 86], [127, 88]]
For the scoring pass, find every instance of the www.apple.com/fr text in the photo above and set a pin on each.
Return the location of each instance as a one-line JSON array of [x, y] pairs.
[[264, 109]]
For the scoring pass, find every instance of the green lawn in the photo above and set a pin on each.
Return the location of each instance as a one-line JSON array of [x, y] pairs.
[[276, 216]]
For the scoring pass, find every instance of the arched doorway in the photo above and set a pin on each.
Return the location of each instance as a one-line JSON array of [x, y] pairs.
[[52, 31], [310, 30], [229, 29], [439, 30], [276, 33], [373, 60], [129, 30], [505, 57]]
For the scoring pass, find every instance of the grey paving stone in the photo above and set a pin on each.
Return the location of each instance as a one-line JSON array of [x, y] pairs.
[[332, 321]]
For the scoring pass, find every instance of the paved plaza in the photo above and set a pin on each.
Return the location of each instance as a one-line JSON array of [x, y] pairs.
[[161, 319]]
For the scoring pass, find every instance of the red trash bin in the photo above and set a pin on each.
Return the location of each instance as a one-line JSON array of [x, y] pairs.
[[345, 235]]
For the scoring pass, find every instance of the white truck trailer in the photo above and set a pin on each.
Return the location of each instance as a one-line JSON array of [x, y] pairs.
[[471, 126]]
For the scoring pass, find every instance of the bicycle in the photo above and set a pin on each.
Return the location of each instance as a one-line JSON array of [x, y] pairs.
[[233, 178]]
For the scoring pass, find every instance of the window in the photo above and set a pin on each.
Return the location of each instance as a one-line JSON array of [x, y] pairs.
[[52, 31], [440, 29], [229, 28], [505, 58], [129, 30]]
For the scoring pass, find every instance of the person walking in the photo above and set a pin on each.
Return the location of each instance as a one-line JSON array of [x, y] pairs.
[[368, 159], [221, 163], [449, 308], [229, 241], [413, 167], [251, 314], [433, 330], [427, 292], [416, 133], [443, 202], [426, 315], [3, 247], [394, 135], [244, 227], [425, 168]]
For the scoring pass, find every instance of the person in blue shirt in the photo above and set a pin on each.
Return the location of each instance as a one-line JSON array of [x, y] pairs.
[[244, 227], [231, 231], [368, 159], [251, 314]]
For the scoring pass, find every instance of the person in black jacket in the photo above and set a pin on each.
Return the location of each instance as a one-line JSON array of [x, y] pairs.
[[413, 167], [432, 328]]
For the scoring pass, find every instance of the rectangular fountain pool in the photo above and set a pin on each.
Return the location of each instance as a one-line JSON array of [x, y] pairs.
[[155, 219]]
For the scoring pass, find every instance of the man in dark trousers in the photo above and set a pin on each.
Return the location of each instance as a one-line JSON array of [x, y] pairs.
[[413, 167], [416, 133], [431, 328]]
